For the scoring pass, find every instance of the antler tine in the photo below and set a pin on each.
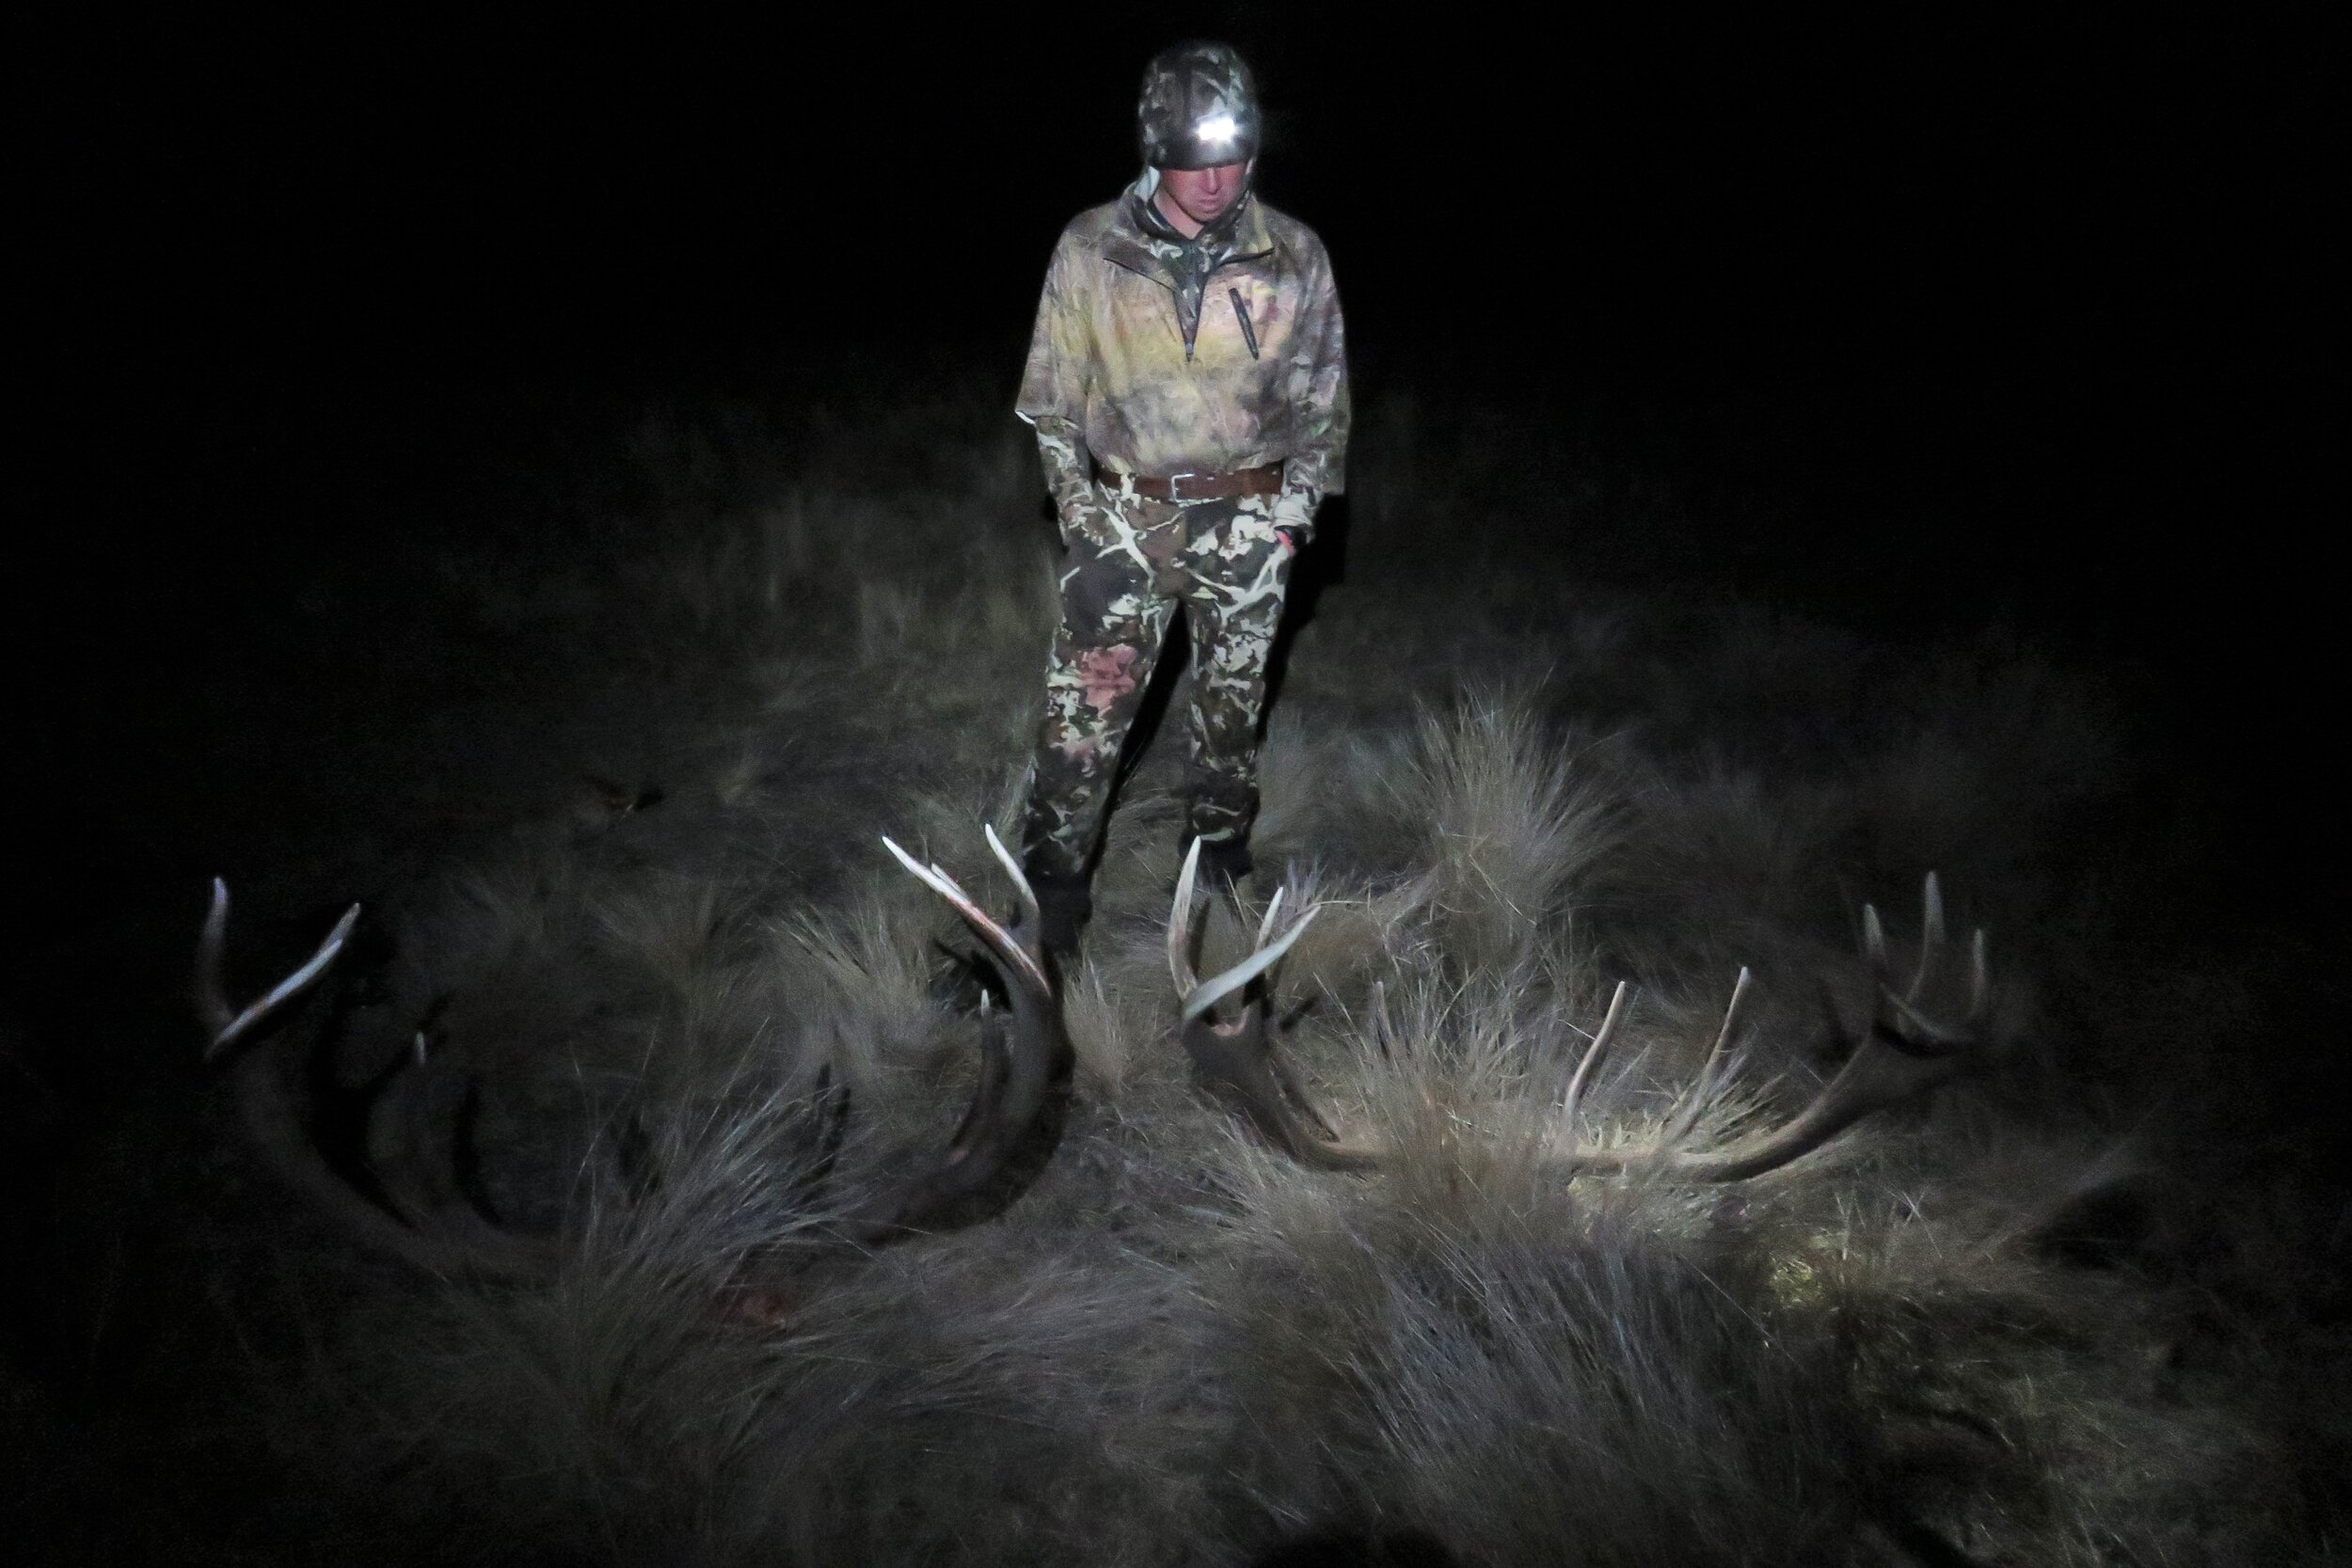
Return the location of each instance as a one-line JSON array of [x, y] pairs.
[[930, 876], [1030, 920], [1180, 924], [1696, 1104], [1931, 937], [1007, 945], [1900, 1016], [1874, 941], [996, 1069], [1618, 1000], [220, 1015], [1272, 909], [211, 987], [1208, 993]]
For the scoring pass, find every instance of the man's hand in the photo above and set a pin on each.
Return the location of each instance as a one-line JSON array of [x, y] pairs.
[[1292, 543], [1292, 516]]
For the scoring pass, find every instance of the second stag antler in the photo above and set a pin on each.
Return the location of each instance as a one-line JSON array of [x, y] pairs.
[[1902, 1054]]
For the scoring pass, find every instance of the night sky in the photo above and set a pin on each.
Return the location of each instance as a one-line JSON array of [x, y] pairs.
[[1965, 320]]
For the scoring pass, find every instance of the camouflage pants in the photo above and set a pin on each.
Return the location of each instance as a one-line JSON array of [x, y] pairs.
[[1131, 561]]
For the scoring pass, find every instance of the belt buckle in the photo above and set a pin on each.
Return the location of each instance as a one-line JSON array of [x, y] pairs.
[[1176, 487]]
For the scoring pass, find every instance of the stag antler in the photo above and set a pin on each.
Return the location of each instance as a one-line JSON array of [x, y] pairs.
[[1237, 1060], [382, 1161], [387, 1161], [1903, 1054], [1016, 1112]]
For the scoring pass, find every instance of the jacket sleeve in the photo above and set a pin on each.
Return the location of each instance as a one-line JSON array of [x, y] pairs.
[[1317, 465], [1053, 393]]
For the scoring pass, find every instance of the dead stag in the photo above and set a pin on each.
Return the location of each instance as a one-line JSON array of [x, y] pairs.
[[405, 1191]]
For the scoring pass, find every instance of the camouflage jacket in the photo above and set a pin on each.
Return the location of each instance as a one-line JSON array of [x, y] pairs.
[[1115, 378]]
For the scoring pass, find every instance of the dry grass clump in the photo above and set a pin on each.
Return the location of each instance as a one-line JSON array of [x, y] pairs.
[[1510, 839]]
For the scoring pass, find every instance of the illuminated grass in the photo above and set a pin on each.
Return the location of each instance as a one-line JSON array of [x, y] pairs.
[[1177, 1348]]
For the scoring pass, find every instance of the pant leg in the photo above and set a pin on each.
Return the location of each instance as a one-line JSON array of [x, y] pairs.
[[1240, 572], [1113, 620]]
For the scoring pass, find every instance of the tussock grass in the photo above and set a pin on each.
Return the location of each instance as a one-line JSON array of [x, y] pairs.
[[1176, 1348], [1509, 839]]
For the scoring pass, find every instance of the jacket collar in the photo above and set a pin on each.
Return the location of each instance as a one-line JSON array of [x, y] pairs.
[[1123, 245]]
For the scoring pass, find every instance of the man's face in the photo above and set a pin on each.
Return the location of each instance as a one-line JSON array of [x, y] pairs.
[[1202, 195]]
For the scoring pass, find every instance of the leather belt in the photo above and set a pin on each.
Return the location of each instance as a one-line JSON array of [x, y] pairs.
[[1194, 487]]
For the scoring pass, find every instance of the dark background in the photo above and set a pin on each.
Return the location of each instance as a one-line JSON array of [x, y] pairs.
[[1940, 320], [1929, 323]]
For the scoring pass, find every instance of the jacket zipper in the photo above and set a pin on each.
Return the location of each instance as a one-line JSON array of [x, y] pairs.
[[1241, 314]]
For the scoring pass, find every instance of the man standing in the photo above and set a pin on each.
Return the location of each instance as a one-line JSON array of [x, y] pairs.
[[1189, 382]]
